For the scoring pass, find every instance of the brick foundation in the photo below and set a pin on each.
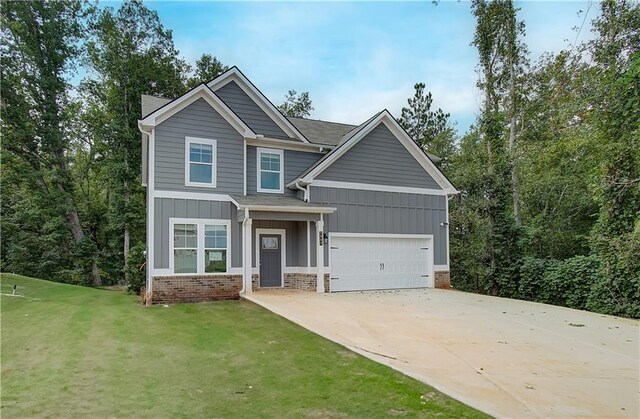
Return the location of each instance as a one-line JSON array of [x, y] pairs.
[[194, 289], [442, 279], [295, 281]]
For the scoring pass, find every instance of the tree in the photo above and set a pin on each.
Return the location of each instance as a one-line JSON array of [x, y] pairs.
[[492, 38], [207, 68], [41, 45], [132, 54], [616, 115], [430, 130], [420, 122], [296, 105]]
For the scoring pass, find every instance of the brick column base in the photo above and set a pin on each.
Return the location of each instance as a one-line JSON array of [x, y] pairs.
[[442, 279]]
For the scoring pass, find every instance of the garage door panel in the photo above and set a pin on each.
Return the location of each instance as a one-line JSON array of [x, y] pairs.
[[380, 262]]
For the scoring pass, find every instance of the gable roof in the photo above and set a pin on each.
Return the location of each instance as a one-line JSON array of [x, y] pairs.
[[199, 92], [234, 74], [321, 132], [352, 137]]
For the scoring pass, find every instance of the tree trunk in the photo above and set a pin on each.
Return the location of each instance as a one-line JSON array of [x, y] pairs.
[[515, 183], [78, 233]]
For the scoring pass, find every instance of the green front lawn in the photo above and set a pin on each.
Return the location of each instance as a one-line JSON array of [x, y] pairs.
[[82, 352]]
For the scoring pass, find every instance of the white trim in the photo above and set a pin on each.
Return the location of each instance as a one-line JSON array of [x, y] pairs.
[[320, 268], [201, 196], [234, 74], [279, 152], [151, 204], [440, 267], [390, 122], [200, 223], [199, 92], [244, 167], [310, 210], [372, 187], [283, 249], [168, 272], [447, 234], [431, 252], [290, 145], [308, 244], [384, 235], [187, 161]]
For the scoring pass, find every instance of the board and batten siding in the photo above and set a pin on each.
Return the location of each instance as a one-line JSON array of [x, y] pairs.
[[295, 162], [243, 106], [295, 240], [200, 120], [361, 211], [166, 208], [379, 158]]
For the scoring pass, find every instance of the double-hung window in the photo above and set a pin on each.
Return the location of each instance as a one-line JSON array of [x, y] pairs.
[[199, 246], [270, 171], [200, 162]]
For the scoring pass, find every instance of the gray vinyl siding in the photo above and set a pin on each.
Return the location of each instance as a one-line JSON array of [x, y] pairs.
[[198, 120], [379, 158], [166, 208], [240, 103], [386, 213], [295, 240], [295, 162]]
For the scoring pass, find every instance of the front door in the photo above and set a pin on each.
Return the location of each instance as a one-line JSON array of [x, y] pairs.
[[270, 260]]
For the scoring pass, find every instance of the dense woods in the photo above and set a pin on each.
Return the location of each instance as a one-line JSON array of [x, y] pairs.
[[549, 174]]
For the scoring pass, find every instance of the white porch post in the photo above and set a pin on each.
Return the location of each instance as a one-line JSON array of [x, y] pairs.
[[320, 255], [248, 270]]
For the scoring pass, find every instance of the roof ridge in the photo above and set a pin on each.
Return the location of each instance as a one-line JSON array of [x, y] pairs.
[[321, 120]]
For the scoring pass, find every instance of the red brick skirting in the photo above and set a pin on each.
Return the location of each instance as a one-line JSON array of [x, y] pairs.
[[295, 281], [195, 289], [442, 279]]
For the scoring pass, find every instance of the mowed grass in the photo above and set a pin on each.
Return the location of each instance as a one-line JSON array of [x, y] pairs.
[[71, 351]]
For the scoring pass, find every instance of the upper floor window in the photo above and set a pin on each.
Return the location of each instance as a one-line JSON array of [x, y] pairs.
[[200, 162], [270, 170]]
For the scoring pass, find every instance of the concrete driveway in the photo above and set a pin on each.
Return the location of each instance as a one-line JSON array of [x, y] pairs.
[[508, 358]]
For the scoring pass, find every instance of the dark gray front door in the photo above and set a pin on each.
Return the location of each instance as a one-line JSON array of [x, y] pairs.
[[270, 260]]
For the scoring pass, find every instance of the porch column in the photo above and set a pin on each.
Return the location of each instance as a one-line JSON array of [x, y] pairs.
[[248, 270], [320, 255]]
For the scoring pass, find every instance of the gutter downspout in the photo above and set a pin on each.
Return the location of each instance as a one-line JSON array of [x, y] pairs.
[[305, 190]]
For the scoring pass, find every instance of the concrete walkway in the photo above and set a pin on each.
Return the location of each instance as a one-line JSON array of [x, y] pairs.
[[508, 358]]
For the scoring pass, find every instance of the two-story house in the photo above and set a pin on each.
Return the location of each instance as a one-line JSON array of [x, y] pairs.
[[240, 197]]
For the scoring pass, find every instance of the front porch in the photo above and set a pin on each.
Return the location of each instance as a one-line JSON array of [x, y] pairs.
[[283, 242]]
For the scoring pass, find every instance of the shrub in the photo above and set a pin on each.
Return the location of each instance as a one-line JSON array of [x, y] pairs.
[[136, 267]]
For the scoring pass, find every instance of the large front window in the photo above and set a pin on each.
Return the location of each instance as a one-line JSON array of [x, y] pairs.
[[270, 170], [215, 248], [199, 246], [200, 162], [185, 248]]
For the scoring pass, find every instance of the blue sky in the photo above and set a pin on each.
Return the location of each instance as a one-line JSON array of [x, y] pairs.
[[358, 58]]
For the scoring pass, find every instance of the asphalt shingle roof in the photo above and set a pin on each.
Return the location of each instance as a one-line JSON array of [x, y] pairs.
[[274, 201], [321, 132]]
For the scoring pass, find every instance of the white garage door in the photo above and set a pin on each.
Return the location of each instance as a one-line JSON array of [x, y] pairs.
[[376, 262]]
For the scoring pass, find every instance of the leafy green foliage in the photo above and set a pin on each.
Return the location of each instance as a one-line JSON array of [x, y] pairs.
[[567, 282], [206, 69], [296, 105], [136, 268]]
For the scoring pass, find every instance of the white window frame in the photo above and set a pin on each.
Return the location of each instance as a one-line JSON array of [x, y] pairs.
[[187, 161], [200, 223], [259, 152]]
